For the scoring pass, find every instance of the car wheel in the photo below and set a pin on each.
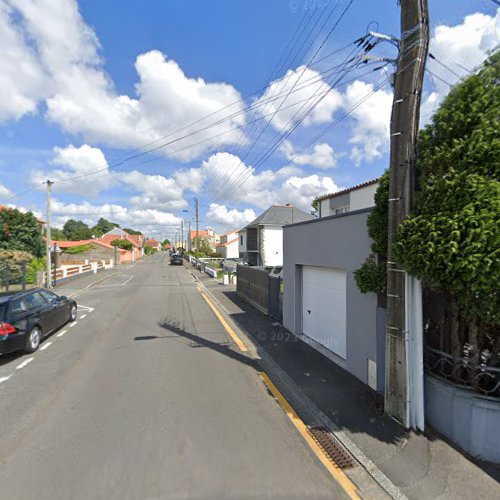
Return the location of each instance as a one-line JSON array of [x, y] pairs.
[[73, 313], [33, 340]]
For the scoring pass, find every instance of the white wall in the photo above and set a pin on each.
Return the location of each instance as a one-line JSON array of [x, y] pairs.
[[363, 197], [232, 250], [242, 247], [272, 248], [325, 208]]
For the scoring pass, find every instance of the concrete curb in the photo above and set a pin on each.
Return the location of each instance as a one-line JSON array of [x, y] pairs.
[[304, 405]]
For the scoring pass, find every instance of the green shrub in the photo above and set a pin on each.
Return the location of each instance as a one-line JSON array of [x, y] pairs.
[[77, 249], [34, 266], [124, 244]]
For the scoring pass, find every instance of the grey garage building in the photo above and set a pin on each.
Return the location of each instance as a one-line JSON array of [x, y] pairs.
[[321, 302]]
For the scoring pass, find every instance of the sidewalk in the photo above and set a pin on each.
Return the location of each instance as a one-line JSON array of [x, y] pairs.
[[419, 466]]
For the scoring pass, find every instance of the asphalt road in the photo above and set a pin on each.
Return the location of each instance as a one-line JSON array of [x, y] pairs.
[[147, 397]]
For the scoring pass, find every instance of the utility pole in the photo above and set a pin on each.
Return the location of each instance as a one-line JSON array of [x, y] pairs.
[[413, 51], [189, 235], [182, 235], [197, 223], [48, 281]]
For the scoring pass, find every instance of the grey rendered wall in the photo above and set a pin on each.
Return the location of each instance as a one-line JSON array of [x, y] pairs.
[[466, 418], [339, 242]]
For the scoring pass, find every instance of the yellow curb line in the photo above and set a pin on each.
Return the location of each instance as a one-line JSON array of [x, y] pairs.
[[229, 330], [348, 486]]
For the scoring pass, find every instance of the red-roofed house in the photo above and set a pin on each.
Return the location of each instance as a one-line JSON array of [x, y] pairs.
[[99, 250], [118, 233], [208, 235], [151, 242], [228, 246]]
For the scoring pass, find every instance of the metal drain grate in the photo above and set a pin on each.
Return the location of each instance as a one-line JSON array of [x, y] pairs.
[[332, 449]]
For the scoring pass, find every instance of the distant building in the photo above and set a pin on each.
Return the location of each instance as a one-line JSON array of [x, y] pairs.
[[261, 241], [228, 246]]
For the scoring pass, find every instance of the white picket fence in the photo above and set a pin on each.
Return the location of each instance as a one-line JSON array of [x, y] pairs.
[[68, 271]]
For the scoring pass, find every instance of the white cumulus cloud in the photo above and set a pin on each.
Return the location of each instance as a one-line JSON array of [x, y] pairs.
[[5, 192], [461, 48], [149, 221], [229, 218], [322, 155], [49, 53], [74, 164], [286, 99]]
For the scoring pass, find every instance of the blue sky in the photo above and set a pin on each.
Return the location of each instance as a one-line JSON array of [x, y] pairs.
[[90, 84]]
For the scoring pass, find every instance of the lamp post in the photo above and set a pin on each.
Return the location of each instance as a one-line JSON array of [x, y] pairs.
[[55, 251]]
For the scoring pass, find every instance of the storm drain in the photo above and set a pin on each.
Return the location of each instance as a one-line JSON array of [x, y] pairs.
[[334, 451]]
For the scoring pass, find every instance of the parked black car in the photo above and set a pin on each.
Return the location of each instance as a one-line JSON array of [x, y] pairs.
[[27, 317], [176, 259]]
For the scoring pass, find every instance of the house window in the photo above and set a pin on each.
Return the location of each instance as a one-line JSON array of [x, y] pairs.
[[340, 210], [241, 240]]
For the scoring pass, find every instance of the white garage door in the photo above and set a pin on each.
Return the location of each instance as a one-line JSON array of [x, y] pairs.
[[324, 307]]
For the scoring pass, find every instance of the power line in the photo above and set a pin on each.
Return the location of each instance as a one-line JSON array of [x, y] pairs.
[[295, 83]]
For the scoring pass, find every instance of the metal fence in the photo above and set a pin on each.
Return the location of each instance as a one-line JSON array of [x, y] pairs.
[[464, 371], [253, 285]]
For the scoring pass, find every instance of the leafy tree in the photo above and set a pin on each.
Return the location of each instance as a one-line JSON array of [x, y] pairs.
[[76, 230], [131, 231], [103, 226], [57, 234], [166, 242], [149, 250], [124, 244], [372, 275], [20, 231], [452, 242], [201, 246]]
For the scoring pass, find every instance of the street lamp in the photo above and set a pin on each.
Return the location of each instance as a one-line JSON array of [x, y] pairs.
[[55, 251]]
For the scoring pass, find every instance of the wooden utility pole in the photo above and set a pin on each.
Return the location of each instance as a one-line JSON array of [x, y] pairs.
[[197, 223], [48, 281], [413, 51]]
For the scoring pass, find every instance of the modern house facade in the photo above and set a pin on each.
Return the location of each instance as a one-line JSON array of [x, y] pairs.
[[261, 242], [228, 245], [321, 302]]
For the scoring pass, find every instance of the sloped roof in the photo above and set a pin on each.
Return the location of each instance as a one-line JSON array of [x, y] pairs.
[[68, 244], [348, 190], [280, 215], [152, 242], [227, 243]]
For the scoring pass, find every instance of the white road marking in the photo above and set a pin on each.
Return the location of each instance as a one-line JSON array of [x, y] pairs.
[[83, 316], [60, 334], [46, 346], [72, 324], [87, 308], [26, 362], [4, 379], [118, 284]]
